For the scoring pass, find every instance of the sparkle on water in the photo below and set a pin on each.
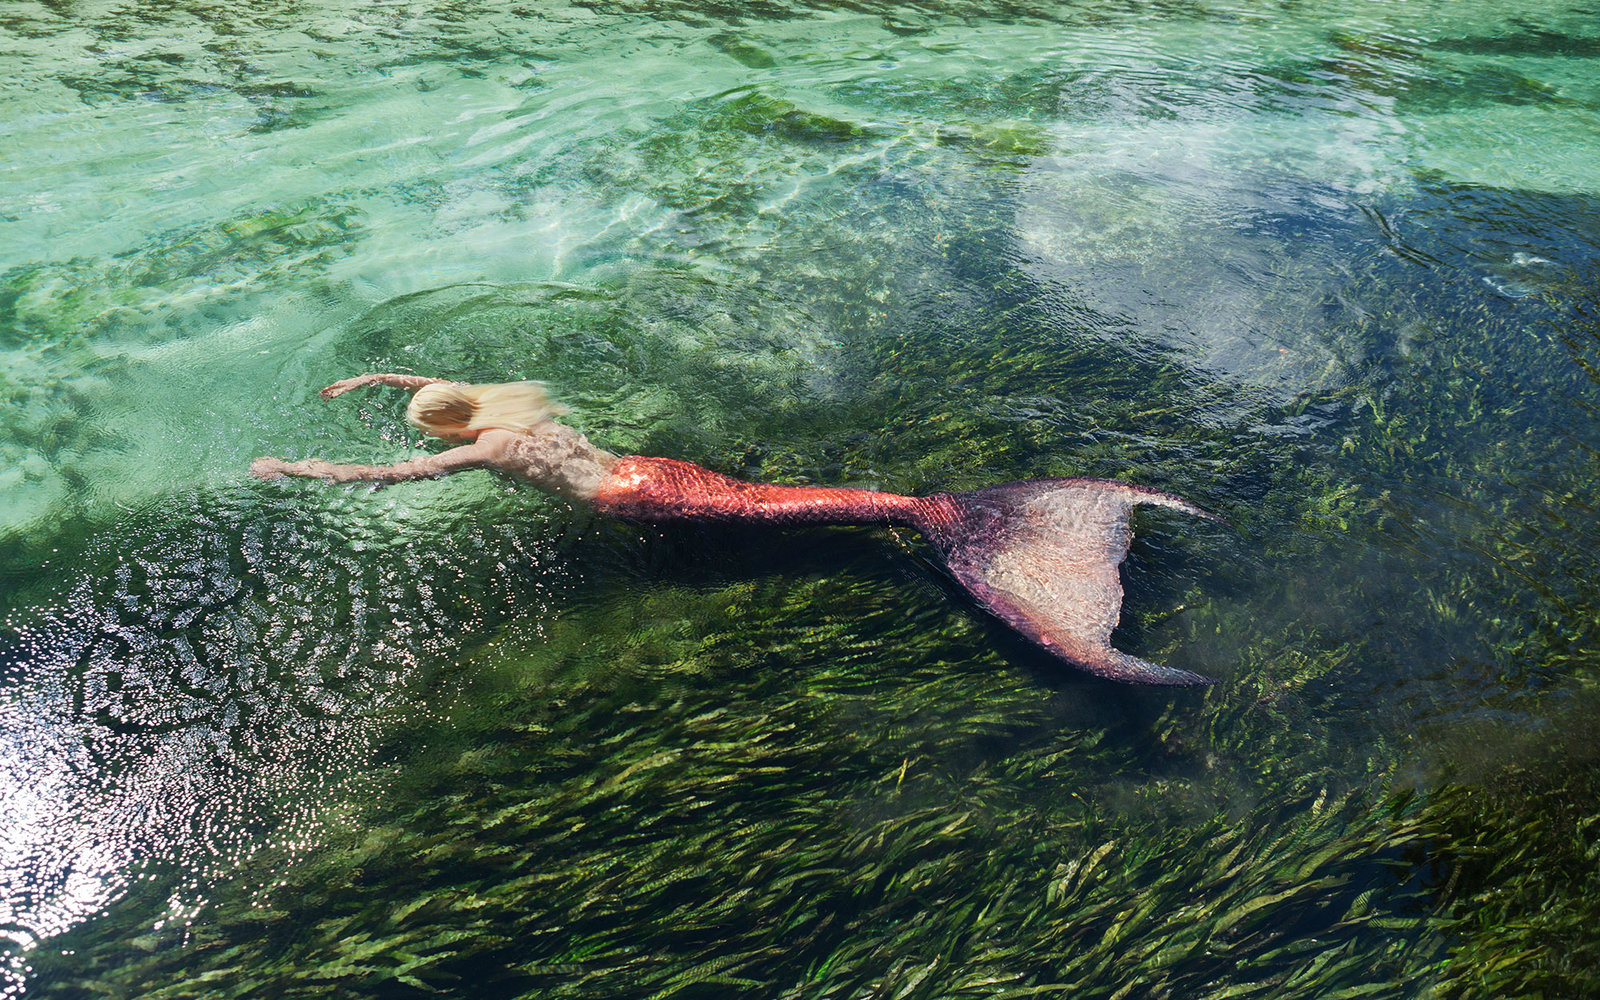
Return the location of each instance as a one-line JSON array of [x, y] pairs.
[[1329, 269]]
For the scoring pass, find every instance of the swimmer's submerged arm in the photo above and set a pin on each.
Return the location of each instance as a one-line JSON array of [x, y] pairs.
[[412, 382], [467, 456]]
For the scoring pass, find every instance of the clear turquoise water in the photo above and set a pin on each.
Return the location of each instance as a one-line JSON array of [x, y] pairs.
[[1329, 269]]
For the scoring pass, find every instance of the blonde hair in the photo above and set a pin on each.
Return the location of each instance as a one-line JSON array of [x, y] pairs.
[[456, 410]]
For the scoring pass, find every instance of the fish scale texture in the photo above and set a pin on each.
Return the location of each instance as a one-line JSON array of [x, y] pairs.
[[659, 490]]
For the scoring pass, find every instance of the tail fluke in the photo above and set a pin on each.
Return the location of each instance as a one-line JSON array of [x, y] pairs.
[[1042, 556]]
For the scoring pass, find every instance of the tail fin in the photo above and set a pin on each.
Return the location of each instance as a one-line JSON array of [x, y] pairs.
[[1042, 555]]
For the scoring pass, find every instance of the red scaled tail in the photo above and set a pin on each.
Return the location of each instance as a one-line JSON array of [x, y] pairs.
[[665, 490], [1041, 554]]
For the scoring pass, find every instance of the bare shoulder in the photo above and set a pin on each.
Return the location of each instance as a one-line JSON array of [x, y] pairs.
[[497, 445]]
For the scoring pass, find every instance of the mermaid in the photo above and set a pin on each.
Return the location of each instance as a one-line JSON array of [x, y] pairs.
[[1040, 554]]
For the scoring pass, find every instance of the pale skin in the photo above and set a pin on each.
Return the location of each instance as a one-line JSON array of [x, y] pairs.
[[552, 457]]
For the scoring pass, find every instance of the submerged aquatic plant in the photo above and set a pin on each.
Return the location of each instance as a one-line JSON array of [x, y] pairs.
[[729, 764], [838, 821], [455, 740]]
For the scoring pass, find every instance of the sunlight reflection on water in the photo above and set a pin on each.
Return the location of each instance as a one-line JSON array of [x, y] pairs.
[[214, 684]]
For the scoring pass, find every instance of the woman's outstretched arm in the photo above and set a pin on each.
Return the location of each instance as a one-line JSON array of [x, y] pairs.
[[468, 456], [412, 382]]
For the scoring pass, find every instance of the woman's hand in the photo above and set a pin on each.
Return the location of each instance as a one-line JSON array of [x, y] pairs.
[[344, 385], [269, 468]]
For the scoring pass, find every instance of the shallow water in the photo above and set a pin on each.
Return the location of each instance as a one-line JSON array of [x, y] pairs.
[[1330, 271]]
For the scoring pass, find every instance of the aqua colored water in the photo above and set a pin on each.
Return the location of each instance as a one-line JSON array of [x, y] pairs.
[[1328, 269]]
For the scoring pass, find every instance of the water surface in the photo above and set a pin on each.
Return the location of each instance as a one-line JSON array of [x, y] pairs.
[[1329, 270]]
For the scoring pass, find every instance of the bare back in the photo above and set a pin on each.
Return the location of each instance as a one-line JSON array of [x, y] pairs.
[[552, 456]]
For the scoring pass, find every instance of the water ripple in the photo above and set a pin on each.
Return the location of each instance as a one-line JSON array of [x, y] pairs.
[[215, 680]]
